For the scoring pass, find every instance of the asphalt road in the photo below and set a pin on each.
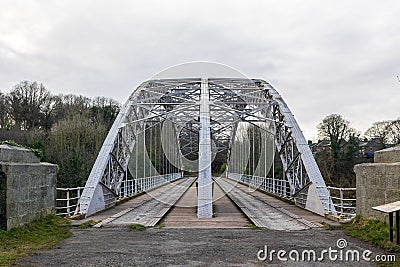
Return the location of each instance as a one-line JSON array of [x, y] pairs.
[[193, 247]]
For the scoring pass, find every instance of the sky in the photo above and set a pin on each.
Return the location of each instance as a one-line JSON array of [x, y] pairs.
[[323, 57]]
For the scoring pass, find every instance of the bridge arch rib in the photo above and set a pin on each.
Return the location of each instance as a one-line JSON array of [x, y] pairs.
[[176, 102]]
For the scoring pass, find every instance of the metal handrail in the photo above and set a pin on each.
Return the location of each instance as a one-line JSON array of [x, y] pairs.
[[270, 185], [68, 205], [71, 202]]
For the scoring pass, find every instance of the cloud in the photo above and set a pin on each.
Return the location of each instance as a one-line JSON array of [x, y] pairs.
[[323, 56]]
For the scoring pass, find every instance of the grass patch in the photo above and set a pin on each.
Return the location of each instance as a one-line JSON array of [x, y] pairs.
[[252, 226], [372, 231], [77, 217], [190, 174], [137, 226], [88, 224], [41, 234]]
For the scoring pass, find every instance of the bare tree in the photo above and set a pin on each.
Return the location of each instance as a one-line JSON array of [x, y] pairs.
[[105, 109], [338, 131], [4, 111], [379, 129], [387, 131], [394, 132], [28, 101]]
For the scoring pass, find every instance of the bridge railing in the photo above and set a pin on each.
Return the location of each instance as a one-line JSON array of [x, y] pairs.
[[68, 198], [344, 201], [271, 185], [136, 186]]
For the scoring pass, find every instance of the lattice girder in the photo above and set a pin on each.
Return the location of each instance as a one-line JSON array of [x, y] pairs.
[[178, 101]]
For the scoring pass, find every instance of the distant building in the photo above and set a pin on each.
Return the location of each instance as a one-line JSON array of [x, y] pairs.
[[367, 147], [322, 146]]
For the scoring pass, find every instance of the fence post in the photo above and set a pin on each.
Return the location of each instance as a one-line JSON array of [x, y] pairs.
[[126, 188], [68, 209], [341, 200], [284, 188], [77, 202], [136, 181], [273, 185]]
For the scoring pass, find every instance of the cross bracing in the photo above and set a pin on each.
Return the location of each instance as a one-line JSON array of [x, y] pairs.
[[158, 134]]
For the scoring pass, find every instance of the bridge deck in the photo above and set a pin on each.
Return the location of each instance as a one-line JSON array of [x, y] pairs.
[[225, 213], [179, 198], [150, 211], [260, 212]]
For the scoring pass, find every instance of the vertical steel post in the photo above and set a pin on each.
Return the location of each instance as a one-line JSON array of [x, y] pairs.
[[204, 201], [341, 201], [68, 209]]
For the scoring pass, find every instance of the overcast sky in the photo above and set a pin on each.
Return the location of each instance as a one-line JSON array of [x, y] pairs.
[[324, 57]]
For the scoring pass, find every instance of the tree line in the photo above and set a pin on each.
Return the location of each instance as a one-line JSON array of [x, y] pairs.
[[344, 143], [68, 129]]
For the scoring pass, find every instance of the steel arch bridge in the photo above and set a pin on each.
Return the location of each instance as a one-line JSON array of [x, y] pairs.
[[169, 126]]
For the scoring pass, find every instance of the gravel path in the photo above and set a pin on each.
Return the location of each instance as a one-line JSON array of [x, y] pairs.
[[189, 247]]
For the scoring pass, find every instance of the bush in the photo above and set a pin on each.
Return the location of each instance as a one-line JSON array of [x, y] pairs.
[[74, 143]]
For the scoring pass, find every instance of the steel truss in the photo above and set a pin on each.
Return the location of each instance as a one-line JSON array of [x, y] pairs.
[[176, 103]]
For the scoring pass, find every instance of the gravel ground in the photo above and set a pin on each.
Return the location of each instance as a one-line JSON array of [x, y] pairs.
[[189, 247]]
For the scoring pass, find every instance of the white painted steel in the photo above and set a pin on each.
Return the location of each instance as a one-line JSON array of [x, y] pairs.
[[307, 171], [67, 200], [278, 187], [204, 201], [205, 108]]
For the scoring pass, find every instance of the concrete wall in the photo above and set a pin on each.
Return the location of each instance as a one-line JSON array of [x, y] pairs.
[[27, 187], [379, 182]]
